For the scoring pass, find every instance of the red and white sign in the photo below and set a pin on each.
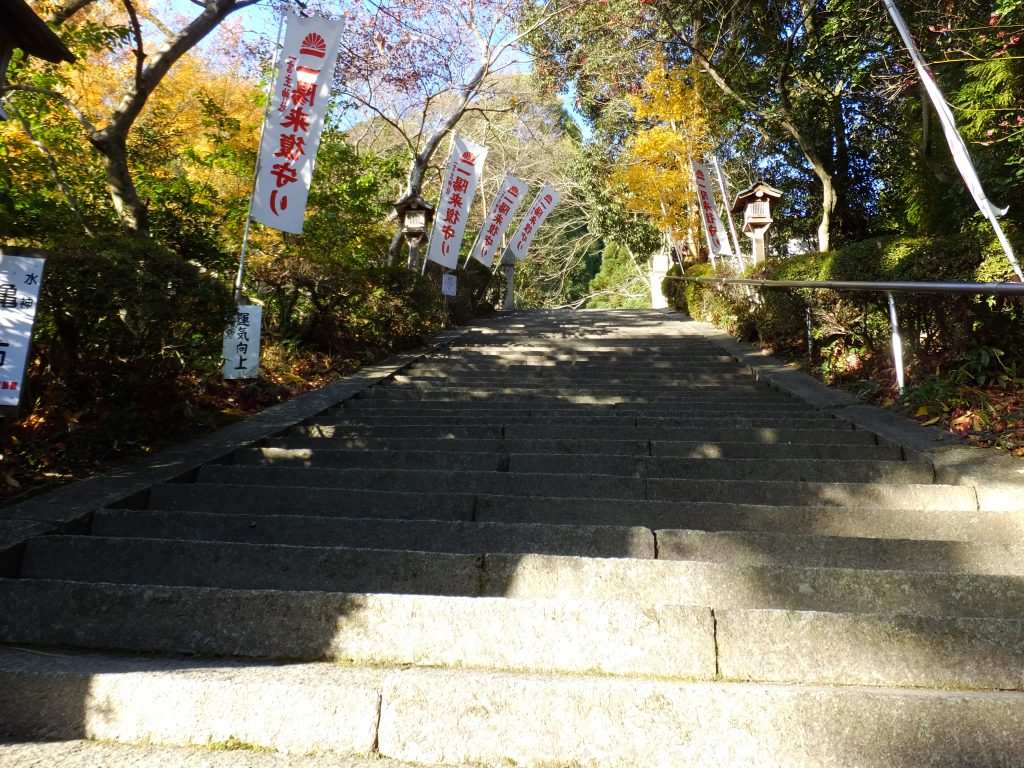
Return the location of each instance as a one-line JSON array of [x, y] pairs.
[[20, 278], [504, 207], [295, 119], [718, 242], [462, 175], [535, 215]]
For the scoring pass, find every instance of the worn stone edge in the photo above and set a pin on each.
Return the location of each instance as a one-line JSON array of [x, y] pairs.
[[69, 507], [997, 477]]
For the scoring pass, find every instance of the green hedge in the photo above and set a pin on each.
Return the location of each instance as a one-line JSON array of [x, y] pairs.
[[121, 317], [851, 329]]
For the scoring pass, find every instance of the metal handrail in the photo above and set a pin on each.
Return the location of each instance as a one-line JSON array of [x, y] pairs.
[[888, 288], [985, 289]]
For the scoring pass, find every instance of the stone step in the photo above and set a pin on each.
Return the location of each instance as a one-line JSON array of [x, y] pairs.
[[818, 470], [805, 550], [238, 566], [708, 433], [999, 527], [692, 450], [344, 714], [539, 391], [738, 547], [379, 533], [428, 377], [895, 496], [592, 637], [228, 753], [505, 358], [540, 396], [281, 500], [554, 410], [607, 638], [711, 421]]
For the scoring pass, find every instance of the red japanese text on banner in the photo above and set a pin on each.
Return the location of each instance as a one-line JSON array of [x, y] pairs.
[[717, 238], [20, 278], [462, 175], [535, 215], [506, 203], [296, 118]]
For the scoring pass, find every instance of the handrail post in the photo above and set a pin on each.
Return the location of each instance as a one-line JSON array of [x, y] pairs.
[[810, 333], [897, 343]]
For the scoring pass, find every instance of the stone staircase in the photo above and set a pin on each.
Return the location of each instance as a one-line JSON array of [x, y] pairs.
[[561, 539]]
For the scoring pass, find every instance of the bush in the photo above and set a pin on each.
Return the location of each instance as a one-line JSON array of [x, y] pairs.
[[361, 311], [851, 329], [725, 306], [119, 317]]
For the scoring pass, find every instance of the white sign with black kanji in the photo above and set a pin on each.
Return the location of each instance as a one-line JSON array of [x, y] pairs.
[[20, 278], [242, 344]]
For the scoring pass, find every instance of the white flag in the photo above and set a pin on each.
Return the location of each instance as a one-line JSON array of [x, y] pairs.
[[462, 175], [957, 147], [535, 215], [717, 240], [504, 207], [953, 137], [291, 134]]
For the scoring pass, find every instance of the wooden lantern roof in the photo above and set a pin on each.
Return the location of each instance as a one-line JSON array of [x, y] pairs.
[[759, 192], [23, 29]]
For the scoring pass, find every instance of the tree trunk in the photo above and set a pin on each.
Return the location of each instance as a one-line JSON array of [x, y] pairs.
[[829, 201], [131, 212]]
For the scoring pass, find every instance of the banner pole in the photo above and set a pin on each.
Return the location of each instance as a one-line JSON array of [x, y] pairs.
[[256, 169], [957, 146], [728, 210]]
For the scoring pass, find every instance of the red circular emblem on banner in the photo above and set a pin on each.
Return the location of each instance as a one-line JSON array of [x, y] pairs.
[[314, 45]]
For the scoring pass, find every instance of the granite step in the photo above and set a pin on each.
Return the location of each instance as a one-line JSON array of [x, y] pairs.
[[692, 450], [609, 638], [639, 582], [786, 492], [999, 527], [548, 431], [379, 533], [818, 470], [351, 714], [344, 417]]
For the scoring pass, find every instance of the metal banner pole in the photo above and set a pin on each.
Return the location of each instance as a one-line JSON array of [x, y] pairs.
[[266, 111]]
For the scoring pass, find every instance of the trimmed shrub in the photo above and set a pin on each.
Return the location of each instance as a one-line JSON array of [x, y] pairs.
[[119, 317]]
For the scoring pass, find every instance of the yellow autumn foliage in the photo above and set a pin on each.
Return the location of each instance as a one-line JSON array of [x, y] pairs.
[[655, 167]]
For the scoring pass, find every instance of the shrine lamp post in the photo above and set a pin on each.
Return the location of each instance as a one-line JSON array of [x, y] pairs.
[[416, 215], [757, 205]]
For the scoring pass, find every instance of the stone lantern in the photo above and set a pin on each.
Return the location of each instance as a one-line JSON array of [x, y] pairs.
[[415, 215], [757, 205]]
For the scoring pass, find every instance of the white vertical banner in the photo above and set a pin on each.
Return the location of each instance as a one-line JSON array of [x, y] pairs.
[[723, 185], [535, 216], [506, 203], [957, 147], [242, 343], [717, 241], [462, 176], [20, 278], [295, 119]]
